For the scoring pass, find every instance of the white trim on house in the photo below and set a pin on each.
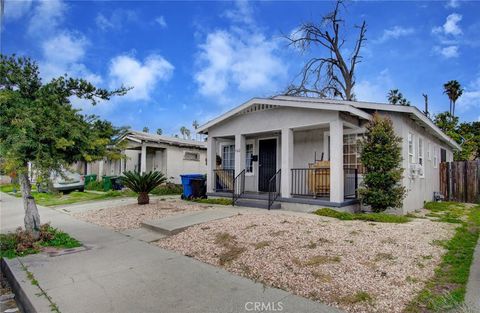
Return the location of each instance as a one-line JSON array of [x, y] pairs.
[[353, 107], [284, 103]]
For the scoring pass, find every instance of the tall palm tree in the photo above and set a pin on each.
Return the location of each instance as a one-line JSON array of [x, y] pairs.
[[396, 97], [183, 130], [195, 126], [453, 90]]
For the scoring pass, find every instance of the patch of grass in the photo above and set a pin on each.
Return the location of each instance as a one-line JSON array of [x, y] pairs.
[[384, 257], [21, 243], [446, 290], [230, 254], [360, 296], [411, 280], [278, 233], [167, 189], [224, 239], [372, 217], [221, 201], [9, 187], [94, 185], [321, 259], [261, 244], [447, 212], [324, 278], [311, 245]]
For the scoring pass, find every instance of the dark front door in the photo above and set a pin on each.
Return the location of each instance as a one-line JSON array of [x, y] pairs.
[[267, 162]]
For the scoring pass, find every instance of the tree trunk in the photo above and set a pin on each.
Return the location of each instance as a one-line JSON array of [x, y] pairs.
[[453, 109], [32, 218], [143, 198]]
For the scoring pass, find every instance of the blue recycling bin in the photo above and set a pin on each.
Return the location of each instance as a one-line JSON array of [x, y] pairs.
[[187, 184]]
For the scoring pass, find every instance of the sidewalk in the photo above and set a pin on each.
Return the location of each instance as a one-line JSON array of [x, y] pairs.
[[120, 274]]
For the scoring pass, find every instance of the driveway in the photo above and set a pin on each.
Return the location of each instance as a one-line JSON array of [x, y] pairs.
[[118, 274]]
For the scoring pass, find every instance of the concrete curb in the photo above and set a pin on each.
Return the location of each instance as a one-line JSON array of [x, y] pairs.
[[472, 296], [27, 295]]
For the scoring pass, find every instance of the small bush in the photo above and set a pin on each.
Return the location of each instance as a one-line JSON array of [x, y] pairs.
[[167, 189], [372, 217], [22, 243], [94, 185]]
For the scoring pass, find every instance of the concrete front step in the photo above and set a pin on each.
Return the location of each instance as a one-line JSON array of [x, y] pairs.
[[256, 203], [174, 224]]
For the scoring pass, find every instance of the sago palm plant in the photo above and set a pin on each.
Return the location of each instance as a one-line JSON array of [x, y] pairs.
[[143, 183]]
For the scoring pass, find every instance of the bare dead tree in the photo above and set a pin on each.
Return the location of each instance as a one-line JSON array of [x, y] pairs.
[[332, 75]]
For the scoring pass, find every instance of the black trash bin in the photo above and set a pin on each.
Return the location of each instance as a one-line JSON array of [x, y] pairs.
[[117, 183], [199, 188]]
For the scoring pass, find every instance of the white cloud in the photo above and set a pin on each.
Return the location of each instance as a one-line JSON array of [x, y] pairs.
[[240, 57], [448, 51], [450, 27], [16, 9], [395, 32], [144, 77], [374, 89], [46, 17], [116, 20], [63, 54], [470, 99], [242, 13], [452, 4], [161, 21]]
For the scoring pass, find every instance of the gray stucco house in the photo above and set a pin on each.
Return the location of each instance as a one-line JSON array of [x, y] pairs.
[[145, 152], [301, 153]]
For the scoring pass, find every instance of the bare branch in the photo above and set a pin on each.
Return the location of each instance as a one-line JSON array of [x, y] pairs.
[[332, 76]]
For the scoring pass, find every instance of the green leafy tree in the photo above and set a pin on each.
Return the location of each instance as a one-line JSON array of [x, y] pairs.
[[159, 131], [145, 129], [453, 90], [395, 97], [381, 158], [143, 183], [467, 135], [39, 126]]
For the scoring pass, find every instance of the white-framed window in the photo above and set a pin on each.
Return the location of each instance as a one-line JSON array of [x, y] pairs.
[[421, 159], [351, 152], [435, 156], [228, 157], [411, 149], [429, 151], [248, 158], [191, 156]]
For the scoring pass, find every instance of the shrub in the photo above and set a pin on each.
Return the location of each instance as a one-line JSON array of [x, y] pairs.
[[94, 185], [381, 158], [21, 242], [142, 184], [371, 217], [167, 189]]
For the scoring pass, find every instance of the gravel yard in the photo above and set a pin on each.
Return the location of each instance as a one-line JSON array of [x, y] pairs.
[[130, 216], [357, 266]]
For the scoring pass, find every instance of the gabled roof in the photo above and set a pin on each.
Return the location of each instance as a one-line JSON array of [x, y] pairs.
[[290, 102], [139, 136], [358, 108]]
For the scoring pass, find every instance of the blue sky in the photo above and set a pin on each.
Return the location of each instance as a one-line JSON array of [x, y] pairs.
[[194, 60]]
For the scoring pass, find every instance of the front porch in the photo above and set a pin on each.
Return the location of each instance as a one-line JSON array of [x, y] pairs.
[[314, 165]]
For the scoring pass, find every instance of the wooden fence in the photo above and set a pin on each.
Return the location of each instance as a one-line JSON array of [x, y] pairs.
[[460, 181]]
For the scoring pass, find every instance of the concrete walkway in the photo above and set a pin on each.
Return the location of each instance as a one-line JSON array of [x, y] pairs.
[[119, 274]]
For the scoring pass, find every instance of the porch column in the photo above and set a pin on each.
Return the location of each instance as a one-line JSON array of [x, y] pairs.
[[239, 153], [211, 162], [336, 161], [287, 162], [143, 160]]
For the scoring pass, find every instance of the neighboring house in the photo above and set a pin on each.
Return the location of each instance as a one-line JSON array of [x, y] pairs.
[[303, 152], [147, 152]]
